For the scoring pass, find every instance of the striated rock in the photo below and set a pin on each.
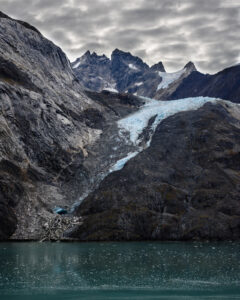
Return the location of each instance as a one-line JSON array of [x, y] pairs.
[[46, 121], [185, 186]]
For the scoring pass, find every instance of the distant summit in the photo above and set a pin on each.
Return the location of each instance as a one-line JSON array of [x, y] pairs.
[[126, 73]]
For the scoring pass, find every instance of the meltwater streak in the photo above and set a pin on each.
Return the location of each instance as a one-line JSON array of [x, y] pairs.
[[143, 270]]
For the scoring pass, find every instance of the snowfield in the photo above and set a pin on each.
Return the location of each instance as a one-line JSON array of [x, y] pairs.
[[168, 78]]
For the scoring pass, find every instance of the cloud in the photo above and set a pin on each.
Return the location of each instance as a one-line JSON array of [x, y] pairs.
[[173, 31]]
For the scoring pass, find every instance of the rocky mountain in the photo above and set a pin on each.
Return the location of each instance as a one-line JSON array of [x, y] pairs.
[[224, 84], [88, 165], [126, 73]]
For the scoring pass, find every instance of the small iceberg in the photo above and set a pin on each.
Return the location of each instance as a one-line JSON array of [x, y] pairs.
[[60, 211]]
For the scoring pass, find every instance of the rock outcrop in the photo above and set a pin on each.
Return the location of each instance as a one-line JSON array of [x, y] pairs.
[[185, 186]]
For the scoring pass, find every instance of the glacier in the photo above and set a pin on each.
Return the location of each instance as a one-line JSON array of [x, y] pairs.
[[135, 123], [131, 127]]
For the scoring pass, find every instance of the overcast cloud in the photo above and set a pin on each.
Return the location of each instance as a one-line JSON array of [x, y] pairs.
[[174, 32]]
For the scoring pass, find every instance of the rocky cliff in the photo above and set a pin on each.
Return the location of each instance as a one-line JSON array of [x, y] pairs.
[[43, 129]]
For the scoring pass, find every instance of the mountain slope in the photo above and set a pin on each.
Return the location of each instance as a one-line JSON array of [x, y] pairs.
[[224, 84], [186, 182], [54, 139], [43, 131]]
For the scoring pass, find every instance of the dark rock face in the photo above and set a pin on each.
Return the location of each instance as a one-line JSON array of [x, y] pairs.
[[184, 186], [126, 69], [94, 71], [224, 85], [158, 67]]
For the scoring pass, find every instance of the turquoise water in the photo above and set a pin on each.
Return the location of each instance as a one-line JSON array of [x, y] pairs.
[[138, 271]]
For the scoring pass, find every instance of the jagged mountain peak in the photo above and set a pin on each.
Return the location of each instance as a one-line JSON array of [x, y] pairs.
[[127, 73], [158, 67], [89, 58], [190, 66], [128, 59], [90, 55]]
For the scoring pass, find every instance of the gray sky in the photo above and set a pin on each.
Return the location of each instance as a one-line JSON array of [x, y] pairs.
[[175, 32]]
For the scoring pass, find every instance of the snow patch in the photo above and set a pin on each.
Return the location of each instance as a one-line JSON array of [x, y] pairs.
[[138, 83], [77, 64], [110, 89], [131, 66], [168, 78]]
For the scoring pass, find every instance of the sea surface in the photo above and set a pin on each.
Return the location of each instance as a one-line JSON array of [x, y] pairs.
[[130, 270]]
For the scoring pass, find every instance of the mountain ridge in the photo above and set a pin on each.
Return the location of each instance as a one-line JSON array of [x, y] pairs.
[[123, 72]]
